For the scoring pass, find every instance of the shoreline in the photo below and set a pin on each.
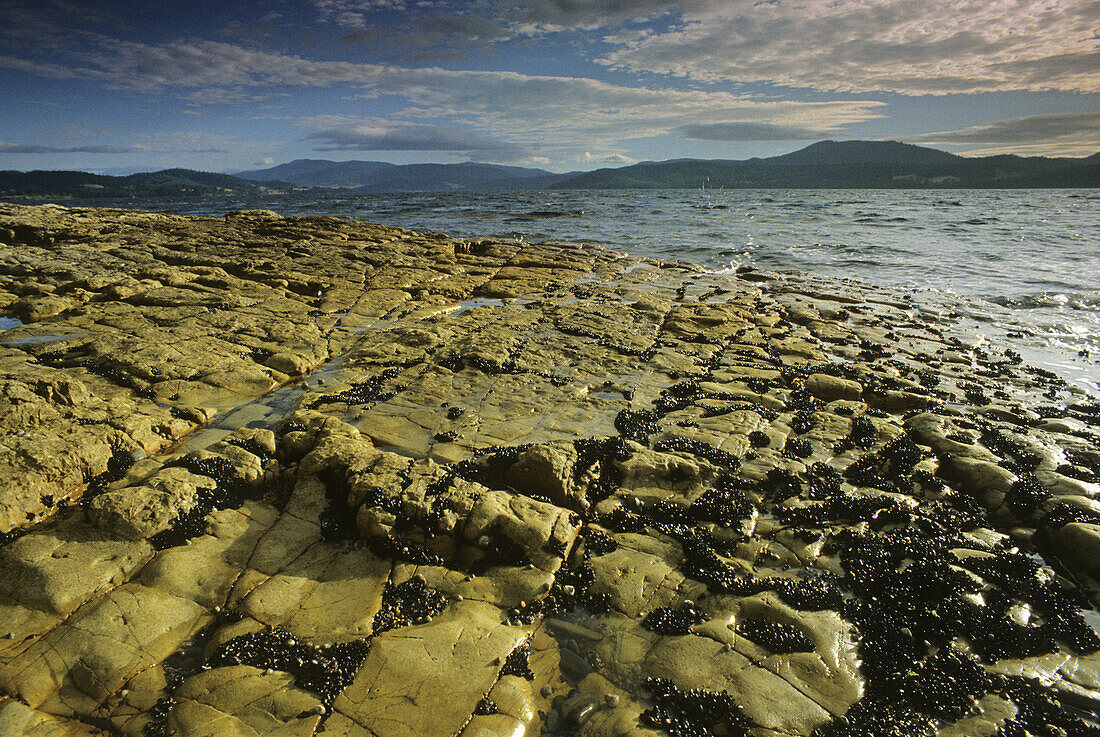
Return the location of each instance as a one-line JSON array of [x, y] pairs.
[[562, 486], [1052, 321]]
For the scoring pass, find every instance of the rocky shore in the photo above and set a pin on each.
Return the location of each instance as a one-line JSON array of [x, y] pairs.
[[285, 476]]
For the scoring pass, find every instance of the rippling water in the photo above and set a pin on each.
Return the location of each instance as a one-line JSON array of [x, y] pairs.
[[1022, 266]]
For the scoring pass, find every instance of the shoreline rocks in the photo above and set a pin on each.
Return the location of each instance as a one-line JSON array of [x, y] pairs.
[[273, 475]]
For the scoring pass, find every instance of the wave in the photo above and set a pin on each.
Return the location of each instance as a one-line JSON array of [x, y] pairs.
[[1047, 300], [544, 214]]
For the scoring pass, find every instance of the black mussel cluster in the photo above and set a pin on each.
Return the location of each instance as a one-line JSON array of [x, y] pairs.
[[779, 638], [693, 713], [228, 493], [408, 603], [673, 620], [364, 392], [324, 670], [516, 664]]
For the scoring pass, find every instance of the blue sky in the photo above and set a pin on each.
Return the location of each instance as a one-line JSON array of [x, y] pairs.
[[121, 86]]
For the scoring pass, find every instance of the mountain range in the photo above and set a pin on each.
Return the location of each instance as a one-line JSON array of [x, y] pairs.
[[850, 164], [823, 165], [378, 176]]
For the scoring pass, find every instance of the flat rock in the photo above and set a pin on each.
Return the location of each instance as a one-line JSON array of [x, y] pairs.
[[481, 487]]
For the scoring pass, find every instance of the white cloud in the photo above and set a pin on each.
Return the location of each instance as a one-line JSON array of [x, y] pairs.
[[386, 136], [506, 112], [877, 45], [606, 159]]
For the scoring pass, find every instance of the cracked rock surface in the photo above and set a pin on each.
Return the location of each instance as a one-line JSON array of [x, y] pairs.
[[293, 476]]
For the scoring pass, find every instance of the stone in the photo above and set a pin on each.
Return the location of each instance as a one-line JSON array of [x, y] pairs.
[[1079, 544], [547, 470], [56, 571], [982, 479], [829, 388], [19, 720], [138, 512], [324, 595], [242, 700], [428, 679], [74, 668]]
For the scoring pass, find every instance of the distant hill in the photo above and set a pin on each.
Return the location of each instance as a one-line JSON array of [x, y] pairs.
[[844, 153], [377, 176], [849, 164], [822, 165], [169, 182], [322, 173]]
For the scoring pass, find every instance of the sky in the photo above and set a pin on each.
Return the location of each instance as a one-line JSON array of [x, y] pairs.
[[118, 86]]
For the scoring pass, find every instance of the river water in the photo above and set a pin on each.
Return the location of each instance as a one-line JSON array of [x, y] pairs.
[[1021, 267]]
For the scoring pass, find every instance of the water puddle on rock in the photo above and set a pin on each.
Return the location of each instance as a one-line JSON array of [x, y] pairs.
[[470, 304], [51, 338], [272, 408], [7, 323], [263, 412]]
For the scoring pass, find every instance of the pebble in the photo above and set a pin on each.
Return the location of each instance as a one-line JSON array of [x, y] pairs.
[[578, 709]]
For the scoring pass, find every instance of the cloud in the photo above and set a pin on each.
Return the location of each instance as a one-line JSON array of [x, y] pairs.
[[355, 13], [402, 137], [835, 45], [584, 14], [610, 159], [506, 113], [1066, 134], [1043, 128], [875, 45], [428, 38], [188, 65], [737, 131], [33, 148]]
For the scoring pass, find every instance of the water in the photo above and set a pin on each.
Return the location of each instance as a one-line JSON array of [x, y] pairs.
[[1018, 266]]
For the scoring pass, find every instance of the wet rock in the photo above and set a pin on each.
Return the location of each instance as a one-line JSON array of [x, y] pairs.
[[242, 699], [78, 664], [1079, 544], [547, 470], [802, 505], [429, 680], [138, 512], [576, 710]]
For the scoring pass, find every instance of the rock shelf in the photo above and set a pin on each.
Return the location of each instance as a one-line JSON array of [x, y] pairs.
[[265, 475]]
